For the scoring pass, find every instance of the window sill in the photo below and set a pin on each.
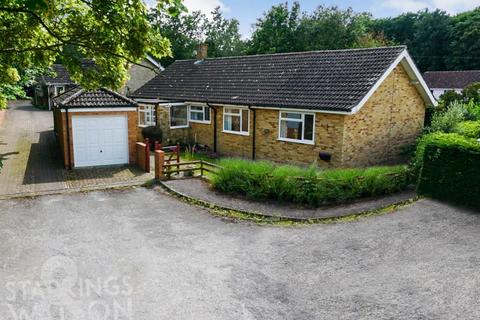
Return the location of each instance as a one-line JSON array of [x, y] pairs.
[[297, 141], [146, 125], [236, 132], [201, 122], [179, 127]]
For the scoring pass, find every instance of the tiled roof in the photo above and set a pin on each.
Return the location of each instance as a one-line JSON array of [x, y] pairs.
[[451, 79], [60, 76], [323, 80], [99, 98]]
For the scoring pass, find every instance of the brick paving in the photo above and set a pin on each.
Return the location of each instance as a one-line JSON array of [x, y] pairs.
[[32, 162]]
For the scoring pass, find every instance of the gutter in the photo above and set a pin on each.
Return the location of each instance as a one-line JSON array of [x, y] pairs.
[[254, 131], [69, 166]]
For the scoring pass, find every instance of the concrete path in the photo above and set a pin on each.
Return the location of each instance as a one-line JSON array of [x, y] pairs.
[[201, 190], [150, 257], [32, 162]]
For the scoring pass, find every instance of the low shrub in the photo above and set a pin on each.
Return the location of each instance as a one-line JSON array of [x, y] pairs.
[[450, 169], [469, 129], [447, 120], [261, 180]]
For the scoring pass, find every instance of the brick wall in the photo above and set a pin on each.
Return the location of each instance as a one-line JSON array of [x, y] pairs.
[[390, 120], [62, 133], [328, 138]]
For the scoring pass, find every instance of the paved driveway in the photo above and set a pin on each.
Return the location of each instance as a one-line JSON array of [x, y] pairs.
[[33, 163], [147, 255]]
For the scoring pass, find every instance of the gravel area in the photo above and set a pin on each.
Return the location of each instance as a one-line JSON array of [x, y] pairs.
[[150, 257]]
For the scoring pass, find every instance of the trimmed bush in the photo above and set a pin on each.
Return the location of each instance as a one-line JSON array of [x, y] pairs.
[[450, 169], [261, 180], [153, 133]]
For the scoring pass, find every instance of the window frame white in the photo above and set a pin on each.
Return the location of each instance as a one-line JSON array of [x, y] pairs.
[[153, 115], [170, 116], [240, 114], [204, 112], [302, 120], [56, 89]]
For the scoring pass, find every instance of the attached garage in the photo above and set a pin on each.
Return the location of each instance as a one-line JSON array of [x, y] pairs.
[[95, 128]]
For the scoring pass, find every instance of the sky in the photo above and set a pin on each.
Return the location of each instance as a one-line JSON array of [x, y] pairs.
[[247, 11]]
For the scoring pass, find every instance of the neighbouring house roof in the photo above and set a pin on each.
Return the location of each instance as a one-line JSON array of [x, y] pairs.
[[333, 80], [60, 76], [451, 79], [100, 98]]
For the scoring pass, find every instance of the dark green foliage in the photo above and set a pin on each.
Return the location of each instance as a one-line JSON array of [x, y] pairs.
[[465, 43], [449, 97], [153, 133], [282, 29], [436, 40], [450, 169], [187, 31], [261, 180], [471, 93]]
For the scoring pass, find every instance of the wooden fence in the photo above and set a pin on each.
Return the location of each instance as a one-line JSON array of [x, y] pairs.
[[164, 170]]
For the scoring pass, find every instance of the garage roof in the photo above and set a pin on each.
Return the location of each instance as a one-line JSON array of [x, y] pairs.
[[100, 98]]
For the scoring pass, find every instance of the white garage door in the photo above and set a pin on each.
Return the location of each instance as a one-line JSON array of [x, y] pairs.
[[100, 140]]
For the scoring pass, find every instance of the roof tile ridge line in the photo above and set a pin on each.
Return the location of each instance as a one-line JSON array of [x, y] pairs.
[[118, 95], [73, 96], [299, 53]]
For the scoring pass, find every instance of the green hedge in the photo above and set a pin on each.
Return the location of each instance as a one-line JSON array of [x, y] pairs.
[[261, 180], [470, 129], [451, 168]]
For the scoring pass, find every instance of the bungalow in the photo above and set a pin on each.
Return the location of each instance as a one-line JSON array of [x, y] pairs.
[[353, 107], [440, 82], [51, 85]]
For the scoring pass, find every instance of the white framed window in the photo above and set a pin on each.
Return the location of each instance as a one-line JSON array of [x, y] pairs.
[[296, 127], [200, 114], [236, 120], [146, 115], [178, 116], [58, 90]]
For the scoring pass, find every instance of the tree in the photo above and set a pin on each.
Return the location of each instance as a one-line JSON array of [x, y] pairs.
[[113, 33], [285, 30], [277, 30], [465, 44], [334, 28], [223, 36], [185, 32], [431, 40]]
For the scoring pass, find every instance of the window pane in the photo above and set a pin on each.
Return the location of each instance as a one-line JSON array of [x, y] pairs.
[[232, 110], [290, 115], [196, 108], [207, 114], [231, 123], [291, 130], [198, 116], [308, 135], [178, 116], [141, 117], [245, 120]]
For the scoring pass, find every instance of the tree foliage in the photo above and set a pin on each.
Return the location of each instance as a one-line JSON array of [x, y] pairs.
[[285, 29], [112, 33], [436, 40], [187, 30]]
